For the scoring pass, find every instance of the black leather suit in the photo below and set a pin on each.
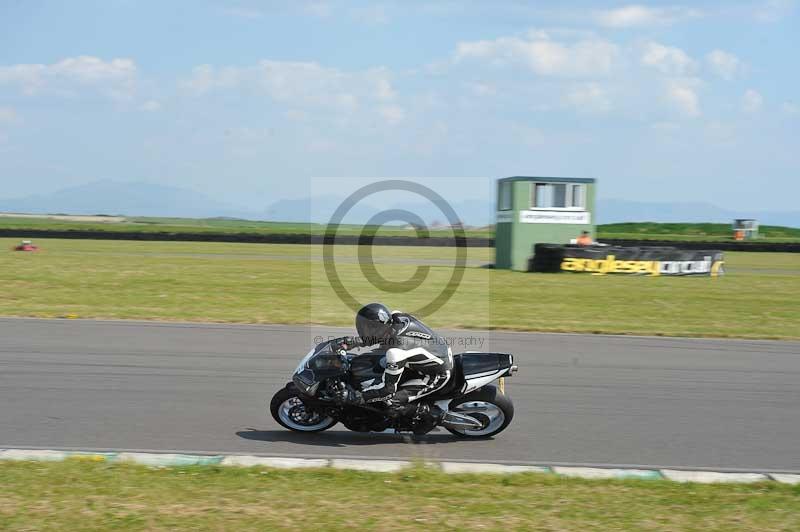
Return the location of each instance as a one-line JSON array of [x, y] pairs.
[[416, 347]]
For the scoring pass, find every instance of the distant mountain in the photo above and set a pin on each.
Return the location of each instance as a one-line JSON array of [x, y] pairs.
[[317, 210], [616, 210], [149, 199], [321, 209], [128, 198], [473, 212]]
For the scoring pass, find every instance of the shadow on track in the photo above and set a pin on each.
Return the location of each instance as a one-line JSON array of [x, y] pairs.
[[343, 439]]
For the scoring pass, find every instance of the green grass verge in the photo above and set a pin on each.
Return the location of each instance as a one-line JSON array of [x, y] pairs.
[[75, 495], [637, 231], [704, 232], [259, 283], [211, 226]]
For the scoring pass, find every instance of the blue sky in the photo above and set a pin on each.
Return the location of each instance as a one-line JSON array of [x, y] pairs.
[[251, 102]]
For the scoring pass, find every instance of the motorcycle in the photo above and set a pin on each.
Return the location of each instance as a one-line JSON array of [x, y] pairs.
[[468, 405]]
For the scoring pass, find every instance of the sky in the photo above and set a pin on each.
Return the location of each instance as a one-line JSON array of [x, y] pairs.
[[253, 102]]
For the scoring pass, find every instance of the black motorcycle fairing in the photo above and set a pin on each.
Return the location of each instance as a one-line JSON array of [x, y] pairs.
[[478, 363], [360, 420], [466, 365], [320, 364], [367, 366]]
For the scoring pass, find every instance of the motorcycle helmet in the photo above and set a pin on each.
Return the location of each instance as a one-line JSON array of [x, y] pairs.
[[374, 323]]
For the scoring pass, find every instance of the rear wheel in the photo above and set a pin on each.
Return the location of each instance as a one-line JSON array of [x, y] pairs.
[[289, 411], [489, 406]]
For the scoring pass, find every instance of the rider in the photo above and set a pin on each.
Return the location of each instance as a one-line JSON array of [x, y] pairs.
[[409, 344]]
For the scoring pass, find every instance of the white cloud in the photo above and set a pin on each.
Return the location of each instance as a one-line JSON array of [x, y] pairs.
[[774, 10], [87, 69], [384, 90], [305, 86], [243, 12], [665, 127], [206, 78], [392, 114], [724, 64], [590, 97], [560, 33], [544, 56], [663, 72], [628, 16], [752, 101], [150, 106], [318, 9], [115, 78], [682, 94], [667, 59], [638, 15], [374, 15], [296, 115], [8, 115], [791, 108], [482, 89]]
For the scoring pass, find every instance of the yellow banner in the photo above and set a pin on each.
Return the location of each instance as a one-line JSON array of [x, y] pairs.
[[642, 267]]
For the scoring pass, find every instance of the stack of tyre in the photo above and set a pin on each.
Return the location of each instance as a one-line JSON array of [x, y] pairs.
[[546, 258]]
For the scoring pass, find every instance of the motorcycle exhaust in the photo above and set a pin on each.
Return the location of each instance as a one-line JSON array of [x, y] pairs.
[[455, 420]]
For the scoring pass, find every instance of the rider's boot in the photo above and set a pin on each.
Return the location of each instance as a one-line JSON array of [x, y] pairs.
[[427, 418]]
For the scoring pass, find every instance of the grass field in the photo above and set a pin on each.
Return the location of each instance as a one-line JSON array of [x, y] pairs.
[[637, 231], [704, 232], [260, 283], [209, 225], [76, 495]]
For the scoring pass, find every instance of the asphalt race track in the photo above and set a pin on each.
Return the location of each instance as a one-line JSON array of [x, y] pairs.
[[724, 404]]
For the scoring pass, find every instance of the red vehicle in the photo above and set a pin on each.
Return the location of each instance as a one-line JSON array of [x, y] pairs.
[[26, 245]]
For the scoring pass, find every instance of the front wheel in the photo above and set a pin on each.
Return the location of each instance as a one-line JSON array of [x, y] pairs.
[[488, 405], [288, 409]]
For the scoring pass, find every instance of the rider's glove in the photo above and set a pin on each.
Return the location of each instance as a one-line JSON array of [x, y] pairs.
[[349, 396], [348, 342]]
